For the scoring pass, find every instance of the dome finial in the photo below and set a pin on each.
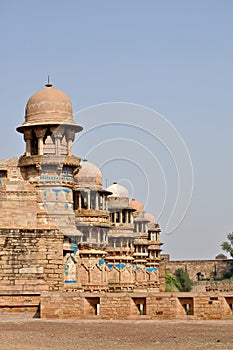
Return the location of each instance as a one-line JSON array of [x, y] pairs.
[[48, 83]]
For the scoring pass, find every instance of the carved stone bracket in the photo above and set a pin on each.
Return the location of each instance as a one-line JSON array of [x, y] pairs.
[[40, 131], [70, 135], [27, 134]]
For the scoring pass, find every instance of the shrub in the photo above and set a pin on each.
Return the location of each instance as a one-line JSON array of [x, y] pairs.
[[184, 280]]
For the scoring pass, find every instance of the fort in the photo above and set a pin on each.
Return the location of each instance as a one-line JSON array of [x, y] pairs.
[[70, 248]]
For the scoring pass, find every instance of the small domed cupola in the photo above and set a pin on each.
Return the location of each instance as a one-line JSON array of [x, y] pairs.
[[89, 176], [48, 106], [49, 128], [138, 206], [118, 191]]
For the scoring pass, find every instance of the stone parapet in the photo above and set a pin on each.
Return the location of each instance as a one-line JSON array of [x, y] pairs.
[[137, 305]]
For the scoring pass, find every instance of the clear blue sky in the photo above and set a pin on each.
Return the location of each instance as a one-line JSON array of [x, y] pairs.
[[175, 57]]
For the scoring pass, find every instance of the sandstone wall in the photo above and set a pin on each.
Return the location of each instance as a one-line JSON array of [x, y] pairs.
[[17, 303], [209, 268], [18, 197], [213, 286], [103, 305], [31, 260], [95, 274]]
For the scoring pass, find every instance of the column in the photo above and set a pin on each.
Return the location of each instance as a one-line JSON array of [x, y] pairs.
[[97, 201], [40, 133], [131, 217], [114, 217], [70, 135], [126, 216], [104, 202], [120, 218], [88, 200], [27, 139], [40, 147], [79, 200]]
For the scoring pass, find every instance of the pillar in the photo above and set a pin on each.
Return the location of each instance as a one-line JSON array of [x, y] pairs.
[[40, 133], [104, 202], [27, 139], [40, 147], [88, 200], [70, 135], [79, 200], [120, 216], [97, 201], [131, 217], [126, 216]]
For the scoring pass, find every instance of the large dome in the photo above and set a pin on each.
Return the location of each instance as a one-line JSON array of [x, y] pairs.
[[89, 176], [118, 191], [48, 106]]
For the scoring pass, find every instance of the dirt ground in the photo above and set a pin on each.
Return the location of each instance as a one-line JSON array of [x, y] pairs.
[[23, 333]]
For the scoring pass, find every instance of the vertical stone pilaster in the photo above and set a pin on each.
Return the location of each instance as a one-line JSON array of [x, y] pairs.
[[58, 136]]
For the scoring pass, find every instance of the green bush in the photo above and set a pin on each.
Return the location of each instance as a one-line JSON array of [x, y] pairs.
[[172, 285], [184, 280]]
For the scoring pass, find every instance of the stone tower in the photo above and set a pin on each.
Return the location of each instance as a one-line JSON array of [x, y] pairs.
[[48, 163]]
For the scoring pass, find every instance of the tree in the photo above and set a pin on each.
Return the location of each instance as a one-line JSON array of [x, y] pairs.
[[172, 285], [184, 280], [228, 246]]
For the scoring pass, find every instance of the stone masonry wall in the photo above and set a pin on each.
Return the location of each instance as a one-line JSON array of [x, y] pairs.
[[31, 260], [17, 303], [213, 286], [209, 268], [18, 197], [76, 305]]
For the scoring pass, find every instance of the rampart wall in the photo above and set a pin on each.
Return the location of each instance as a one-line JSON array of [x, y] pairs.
[[209, 269]]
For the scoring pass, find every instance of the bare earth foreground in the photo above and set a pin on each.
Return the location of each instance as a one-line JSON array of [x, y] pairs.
[[23, 333]]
